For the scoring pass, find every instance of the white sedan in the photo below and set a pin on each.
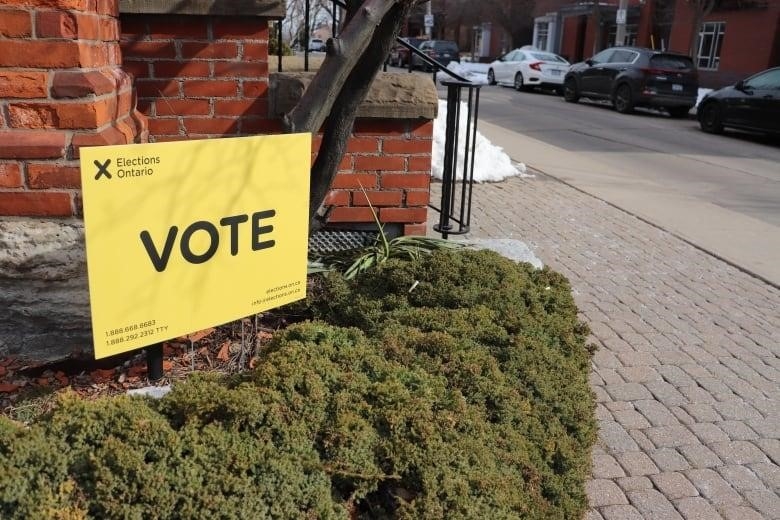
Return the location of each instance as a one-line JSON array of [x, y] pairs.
[[528, 68]]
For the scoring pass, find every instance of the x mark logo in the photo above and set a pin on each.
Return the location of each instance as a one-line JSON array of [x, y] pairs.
[[102, 168]]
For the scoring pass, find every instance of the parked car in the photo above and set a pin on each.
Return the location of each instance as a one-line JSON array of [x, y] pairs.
[[527, 68], [399, 56], [443, 51], [316, 45], [750, 104], [634, 76]]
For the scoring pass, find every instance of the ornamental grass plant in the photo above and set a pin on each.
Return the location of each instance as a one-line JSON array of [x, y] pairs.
[[451, 385]]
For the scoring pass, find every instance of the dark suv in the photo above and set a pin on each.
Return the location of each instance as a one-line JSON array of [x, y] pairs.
[[443, 51], [633, 76]]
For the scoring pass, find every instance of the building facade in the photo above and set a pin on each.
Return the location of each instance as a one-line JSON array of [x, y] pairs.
[[737, 39]]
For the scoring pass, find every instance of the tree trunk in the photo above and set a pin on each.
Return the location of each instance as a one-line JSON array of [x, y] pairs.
[[340, 86], [340, 121]]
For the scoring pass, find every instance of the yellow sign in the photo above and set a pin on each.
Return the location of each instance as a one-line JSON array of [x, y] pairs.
[[186, 235]]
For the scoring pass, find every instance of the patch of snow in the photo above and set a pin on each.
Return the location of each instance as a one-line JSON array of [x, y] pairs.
[[702, 92], [491, 164], [474, 72], [510, 248], [155, 392]]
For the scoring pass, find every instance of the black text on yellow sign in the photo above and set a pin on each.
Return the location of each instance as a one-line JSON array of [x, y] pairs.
[[187, 235]]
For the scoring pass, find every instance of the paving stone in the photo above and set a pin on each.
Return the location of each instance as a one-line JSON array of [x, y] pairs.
[[708, 433], [740, 513], [675, 375], [634, 483], [674, 485], [601, 395], [610, 376], [652, 504], [656, 413], [637, 463], [631, 419], [605, 466], [616, 437], [682, 415], [771, 448], [603, 414], [641, 440], [736, 410], [697, 395], [666, 393], [637, 359], [769, 474], [593, 515], [699, 456], [765, 501], [628, 392], [697, 509], [712, 487], [740, 478], [670, 436], [622, 512], [614, 406], [737, 430], [768, 428], [603, 492], [738, 452], [605, 359], [702, 412], [668, 459], [639, 374]]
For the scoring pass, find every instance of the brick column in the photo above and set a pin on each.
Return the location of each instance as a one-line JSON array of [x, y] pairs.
[[61, 87]]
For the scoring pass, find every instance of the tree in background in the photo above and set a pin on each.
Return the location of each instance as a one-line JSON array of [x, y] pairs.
[[514, 16], [338, 88], [701, 8]]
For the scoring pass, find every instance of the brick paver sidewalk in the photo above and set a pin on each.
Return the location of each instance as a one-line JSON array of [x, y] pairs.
[[688, 370]]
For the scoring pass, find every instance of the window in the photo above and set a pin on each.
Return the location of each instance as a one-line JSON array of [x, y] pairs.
[[769, 80], [623, 56], [603, 56], [710, 41], [542, 30]]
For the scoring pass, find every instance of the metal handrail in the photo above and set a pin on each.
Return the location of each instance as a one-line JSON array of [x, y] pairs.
[[457, 177]]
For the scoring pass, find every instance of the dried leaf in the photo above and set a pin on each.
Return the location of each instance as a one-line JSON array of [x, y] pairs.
[[8, 388], [99, 375], [224, 351], [197, 336]]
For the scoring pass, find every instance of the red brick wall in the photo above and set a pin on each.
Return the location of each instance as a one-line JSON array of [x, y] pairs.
[[64, 84], [61, 87], [207, 76], [749, 44], [391, 160], [199, 76]]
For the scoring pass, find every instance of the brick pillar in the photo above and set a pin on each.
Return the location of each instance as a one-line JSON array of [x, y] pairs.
[[61, 87]]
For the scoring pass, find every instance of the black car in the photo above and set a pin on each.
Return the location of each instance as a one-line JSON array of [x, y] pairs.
[[443, 51], [634, 76], [751, 104]]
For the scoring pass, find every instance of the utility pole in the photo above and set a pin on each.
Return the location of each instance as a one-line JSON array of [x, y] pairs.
[[622, 15], [428, 19]]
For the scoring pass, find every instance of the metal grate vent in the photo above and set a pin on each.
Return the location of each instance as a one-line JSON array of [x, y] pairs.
[[331, 241]]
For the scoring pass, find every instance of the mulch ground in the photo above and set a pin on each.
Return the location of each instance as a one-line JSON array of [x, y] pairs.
[[29, 389]]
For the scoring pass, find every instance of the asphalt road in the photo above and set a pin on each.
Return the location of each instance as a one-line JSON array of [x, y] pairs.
[[719, 192]]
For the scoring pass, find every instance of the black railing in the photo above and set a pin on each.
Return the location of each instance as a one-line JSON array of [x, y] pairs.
[[458, 170], [457, 174]]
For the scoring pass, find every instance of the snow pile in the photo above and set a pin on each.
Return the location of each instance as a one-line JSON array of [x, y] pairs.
[[474, 72], [702, 92], [491, 164]]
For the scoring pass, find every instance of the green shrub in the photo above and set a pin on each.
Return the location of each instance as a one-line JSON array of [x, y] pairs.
[[465, 397]]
